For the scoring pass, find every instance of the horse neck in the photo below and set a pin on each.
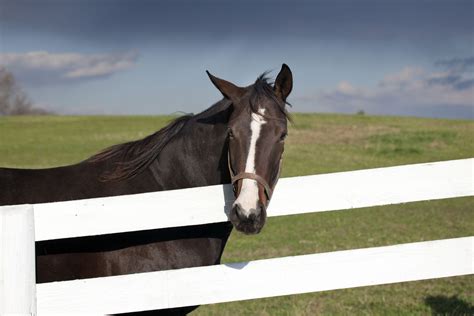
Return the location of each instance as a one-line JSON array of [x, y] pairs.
[[197, 156]]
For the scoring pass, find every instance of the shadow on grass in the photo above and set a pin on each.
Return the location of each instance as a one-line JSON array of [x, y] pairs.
[[443, 305]]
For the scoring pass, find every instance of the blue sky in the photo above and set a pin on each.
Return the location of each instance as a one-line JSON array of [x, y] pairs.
[[149, 57]]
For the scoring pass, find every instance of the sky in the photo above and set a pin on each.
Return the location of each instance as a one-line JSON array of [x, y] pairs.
[[405, 57]]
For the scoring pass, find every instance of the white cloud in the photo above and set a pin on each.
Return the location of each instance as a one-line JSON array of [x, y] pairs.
[[402, 78], [412, 90], [346, 87], [32, 66]]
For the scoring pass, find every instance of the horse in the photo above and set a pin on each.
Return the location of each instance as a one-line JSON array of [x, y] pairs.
[[239, 140]]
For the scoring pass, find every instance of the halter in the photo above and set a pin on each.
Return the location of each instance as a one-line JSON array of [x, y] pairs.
[[253, 176]]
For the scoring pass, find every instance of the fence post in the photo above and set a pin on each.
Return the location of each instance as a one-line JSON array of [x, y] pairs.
[[17, 260]]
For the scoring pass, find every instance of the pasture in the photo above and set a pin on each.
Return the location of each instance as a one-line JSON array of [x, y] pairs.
[[316, 144]]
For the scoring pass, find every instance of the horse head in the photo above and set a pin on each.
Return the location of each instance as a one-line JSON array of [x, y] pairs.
[[257, 129]]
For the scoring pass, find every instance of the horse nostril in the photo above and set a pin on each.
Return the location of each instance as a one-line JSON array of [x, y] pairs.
[[238, 212], [252, 217], [240, 216]]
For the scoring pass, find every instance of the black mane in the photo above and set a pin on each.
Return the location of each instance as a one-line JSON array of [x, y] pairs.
[[133, 157]]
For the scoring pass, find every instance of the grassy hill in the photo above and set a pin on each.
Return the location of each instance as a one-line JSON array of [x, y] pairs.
[[316, 144]]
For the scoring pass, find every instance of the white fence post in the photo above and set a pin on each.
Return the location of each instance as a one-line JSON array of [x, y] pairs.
[[17, 260]]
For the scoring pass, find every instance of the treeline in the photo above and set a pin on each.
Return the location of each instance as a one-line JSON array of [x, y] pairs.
[[13, 100]]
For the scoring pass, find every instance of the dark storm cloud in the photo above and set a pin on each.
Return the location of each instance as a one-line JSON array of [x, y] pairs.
[[423, 22], [456, 81], [458, 73], [460, 64]]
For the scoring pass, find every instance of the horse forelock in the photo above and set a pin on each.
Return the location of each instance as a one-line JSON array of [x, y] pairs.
[[263, 89]]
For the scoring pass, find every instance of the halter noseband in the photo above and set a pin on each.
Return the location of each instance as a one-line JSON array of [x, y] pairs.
[[246, 175]]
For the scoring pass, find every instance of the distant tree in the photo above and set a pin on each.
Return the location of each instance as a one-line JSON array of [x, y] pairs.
[[13, 100]]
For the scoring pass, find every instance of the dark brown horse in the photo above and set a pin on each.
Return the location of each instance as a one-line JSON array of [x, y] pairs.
[[239, 139]]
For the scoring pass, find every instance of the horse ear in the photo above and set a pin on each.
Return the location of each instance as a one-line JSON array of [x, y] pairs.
[[228, 89], [283, 82]]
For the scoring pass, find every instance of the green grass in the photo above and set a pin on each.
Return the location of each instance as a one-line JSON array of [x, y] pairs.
[[46, 141], [316, 144]]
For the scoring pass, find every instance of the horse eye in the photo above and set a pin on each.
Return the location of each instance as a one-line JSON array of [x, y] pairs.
[[283, 136], [230, 133]]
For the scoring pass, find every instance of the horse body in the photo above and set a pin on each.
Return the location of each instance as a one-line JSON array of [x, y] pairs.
[[190, 152], [179, 165], [79, 181]]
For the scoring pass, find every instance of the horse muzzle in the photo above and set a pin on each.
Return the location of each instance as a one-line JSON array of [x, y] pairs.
[[248, 222]]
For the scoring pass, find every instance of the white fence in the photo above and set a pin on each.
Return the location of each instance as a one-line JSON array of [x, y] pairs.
[[238, 281]]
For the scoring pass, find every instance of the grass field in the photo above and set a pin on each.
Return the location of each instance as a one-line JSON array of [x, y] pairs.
[[316, 144]]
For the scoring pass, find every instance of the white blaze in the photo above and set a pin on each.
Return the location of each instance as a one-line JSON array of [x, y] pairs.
[[248, 197]]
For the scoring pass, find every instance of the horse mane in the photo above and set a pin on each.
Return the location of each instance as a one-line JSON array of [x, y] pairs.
[[132, 157]]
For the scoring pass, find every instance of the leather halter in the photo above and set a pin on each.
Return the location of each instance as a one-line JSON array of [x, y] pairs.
[[253, 176]]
